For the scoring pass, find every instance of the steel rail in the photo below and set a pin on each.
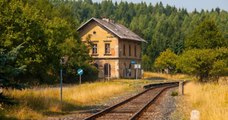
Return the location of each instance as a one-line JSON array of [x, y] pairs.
[[107, 110], [137, 114], [92, 117]]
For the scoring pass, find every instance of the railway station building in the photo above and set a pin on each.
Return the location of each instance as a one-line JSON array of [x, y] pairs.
[[115, 49]]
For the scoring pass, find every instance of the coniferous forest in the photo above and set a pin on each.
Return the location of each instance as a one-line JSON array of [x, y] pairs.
[[34, 34]]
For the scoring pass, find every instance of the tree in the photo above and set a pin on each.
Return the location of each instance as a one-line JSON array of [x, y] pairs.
[[220, 66], [43, 29], [206, 36], [9, 70], [22, 24], [146, 63], [166, 60], [205, 64], [48, 26], [162, 27]]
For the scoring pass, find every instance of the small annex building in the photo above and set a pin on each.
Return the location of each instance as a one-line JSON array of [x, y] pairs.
[[115, 49]]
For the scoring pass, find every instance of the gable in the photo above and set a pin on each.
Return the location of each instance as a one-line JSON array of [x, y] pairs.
[[95, 31], [114, 28]]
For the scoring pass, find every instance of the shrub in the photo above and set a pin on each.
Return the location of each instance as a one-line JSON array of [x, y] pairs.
[[174, 93], [166, 60], [90, 73], [205, 64]]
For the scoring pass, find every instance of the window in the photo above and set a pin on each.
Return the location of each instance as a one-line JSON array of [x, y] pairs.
[[124, 51], [135, 51], [129, 50], [94, 50], [107, 48]]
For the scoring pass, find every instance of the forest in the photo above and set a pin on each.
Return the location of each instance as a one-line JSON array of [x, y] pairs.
[[35, 34]]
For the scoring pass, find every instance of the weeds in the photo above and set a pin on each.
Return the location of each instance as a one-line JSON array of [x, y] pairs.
[[210, 99], [40, 102], [174, 93]]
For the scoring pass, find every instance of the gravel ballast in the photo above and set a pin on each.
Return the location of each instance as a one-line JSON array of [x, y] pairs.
[[161, 110]]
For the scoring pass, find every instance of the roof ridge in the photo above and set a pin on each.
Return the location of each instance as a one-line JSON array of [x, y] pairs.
[[116, 28]]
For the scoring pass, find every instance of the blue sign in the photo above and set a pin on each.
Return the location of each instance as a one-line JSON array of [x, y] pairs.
[[133, 62], [80, 71]]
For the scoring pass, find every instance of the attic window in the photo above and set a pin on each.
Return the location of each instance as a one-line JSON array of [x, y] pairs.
[[94, 32]]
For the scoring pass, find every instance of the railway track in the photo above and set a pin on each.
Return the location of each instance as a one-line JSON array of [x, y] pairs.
[[133, 108]]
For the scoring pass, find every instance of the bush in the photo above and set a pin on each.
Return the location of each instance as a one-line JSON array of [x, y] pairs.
[[166, 60], [174, 93], [206, 64], [90, 73]]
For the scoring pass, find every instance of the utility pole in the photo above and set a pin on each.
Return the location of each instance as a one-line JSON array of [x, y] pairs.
[[61, 80], [61, 85]]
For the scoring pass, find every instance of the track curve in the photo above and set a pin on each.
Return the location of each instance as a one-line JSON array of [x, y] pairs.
[[132, 108]]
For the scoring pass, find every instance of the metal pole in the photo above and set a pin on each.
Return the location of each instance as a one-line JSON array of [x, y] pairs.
[[181, 88], [108, 72], [80, 81], [61, 86], [136, 73]]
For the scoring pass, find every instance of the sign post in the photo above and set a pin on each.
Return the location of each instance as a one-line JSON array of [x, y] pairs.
[[80, 72], [136, 73], [137, 66], [133, 62], [61, 86], [62, 62]]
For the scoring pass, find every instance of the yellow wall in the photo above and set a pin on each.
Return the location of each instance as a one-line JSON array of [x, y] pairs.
[[131, 43], [100, 38], [114, 67], [116, 59]]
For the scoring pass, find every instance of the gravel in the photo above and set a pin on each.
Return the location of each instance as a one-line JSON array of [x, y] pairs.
[[79, 115], [161, 110]]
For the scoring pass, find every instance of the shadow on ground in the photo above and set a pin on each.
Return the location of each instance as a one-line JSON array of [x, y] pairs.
[[155, 78], [82, 109]]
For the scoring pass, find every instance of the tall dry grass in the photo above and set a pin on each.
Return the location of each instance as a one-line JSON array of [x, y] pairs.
[[166, 76], [210, 99], [37, 103]]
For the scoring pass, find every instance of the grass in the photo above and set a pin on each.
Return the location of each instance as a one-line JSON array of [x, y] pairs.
[[210, 99], [39, 103], [163, 76]]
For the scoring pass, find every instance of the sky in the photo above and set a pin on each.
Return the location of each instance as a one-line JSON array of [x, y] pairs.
[[190, 5]]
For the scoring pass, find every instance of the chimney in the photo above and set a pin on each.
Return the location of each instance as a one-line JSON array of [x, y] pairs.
[[108, 20]]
